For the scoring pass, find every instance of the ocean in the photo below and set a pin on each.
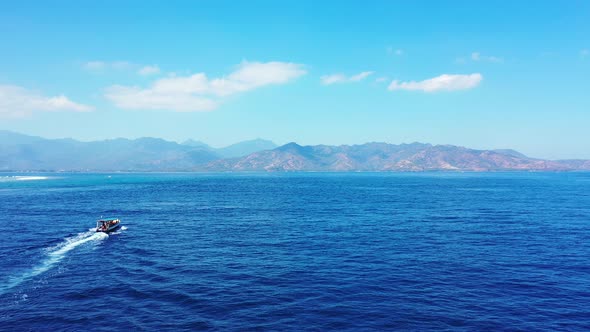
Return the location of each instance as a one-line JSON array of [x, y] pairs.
[[296, 251]]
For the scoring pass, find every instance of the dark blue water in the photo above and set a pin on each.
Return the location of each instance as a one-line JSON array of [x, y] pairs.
[[431, 251]]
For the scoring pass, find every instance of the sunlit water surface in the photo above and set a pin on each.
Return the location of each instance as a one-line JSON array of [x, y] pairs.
[[428, 251]]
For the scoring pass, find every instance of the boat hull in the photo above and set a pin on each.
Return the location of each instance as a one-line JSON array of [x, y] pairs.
[[110, 229]]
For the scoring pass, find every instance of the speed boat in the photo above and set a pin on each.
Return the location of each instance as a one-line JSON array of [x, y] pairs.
[[107, 225]]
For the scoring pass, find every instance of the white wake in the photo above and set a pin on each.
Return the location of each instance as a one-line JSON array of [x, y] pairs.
[[54, 255]]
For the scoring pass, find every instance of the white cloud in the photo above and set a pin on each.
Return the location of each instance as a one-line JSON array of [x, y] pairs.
[[197, 83], [197, 92], [149, 70], [476, 56], [251, 75], [341, 78], [445, 82], [334, 78], [16, 101], [134, 98], [360, 76]]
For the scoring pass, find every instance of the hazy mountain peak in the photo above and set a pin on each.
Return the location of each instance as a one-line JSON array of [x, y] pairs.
[[510, 152], [290, 145], [416, 144], [294, 147], [194, 143], [11, 137], [245, 148]]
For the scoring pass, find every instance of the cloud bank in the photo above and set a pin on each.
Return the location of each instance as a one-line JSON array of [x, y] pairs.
[[445, 82], [341, 78], [16, 101], [199, 93]]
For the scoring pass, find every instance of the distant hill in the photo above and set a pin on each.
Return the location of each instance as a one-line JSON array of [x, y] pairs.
[[22, 152], [12, 138], [235, 150], [389, 157], [245, 148], [30, 153], [193, 143], [510, 152]]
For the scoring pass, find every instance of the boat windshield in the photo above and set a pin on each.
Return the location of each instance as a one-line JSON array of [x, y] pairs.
[[106, 223]]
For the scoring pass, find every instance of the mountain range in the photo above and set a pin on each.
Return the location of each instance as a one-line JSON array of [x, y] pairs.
[[24, 152], [380, 157], [20, 152]]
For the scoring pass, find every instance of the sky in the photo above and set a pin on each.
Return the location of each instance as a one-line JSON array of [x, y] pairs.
[[480, 74]]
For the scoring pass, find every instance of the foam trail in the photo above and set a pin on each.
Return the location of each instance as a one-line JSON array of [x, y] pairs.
[[54, 256], [119, 231]]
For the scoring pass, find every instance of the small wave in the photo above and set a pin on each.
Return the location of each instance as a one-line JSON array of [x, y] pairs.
[[54, 255]]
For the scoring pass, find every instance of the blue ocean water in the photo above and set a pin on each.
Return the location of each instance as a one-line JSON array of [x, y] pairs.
[[426, 251]]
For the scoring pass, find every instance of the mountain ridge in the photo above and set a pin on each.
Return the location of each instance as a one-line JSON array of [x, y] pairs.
[[385, 157], [25, 152], [20, 152]]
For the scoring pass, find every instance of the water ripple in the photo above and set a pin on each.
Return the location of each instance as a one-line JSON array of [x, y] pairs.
[[314, 252]]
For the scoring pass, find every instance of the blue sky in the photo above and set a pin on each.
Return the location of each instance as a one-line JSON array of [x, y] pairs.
[[501, 74]]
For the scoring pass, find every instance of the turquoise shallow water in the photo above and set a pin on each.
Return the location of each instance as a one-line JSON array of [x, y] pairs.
[[427, 251]]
